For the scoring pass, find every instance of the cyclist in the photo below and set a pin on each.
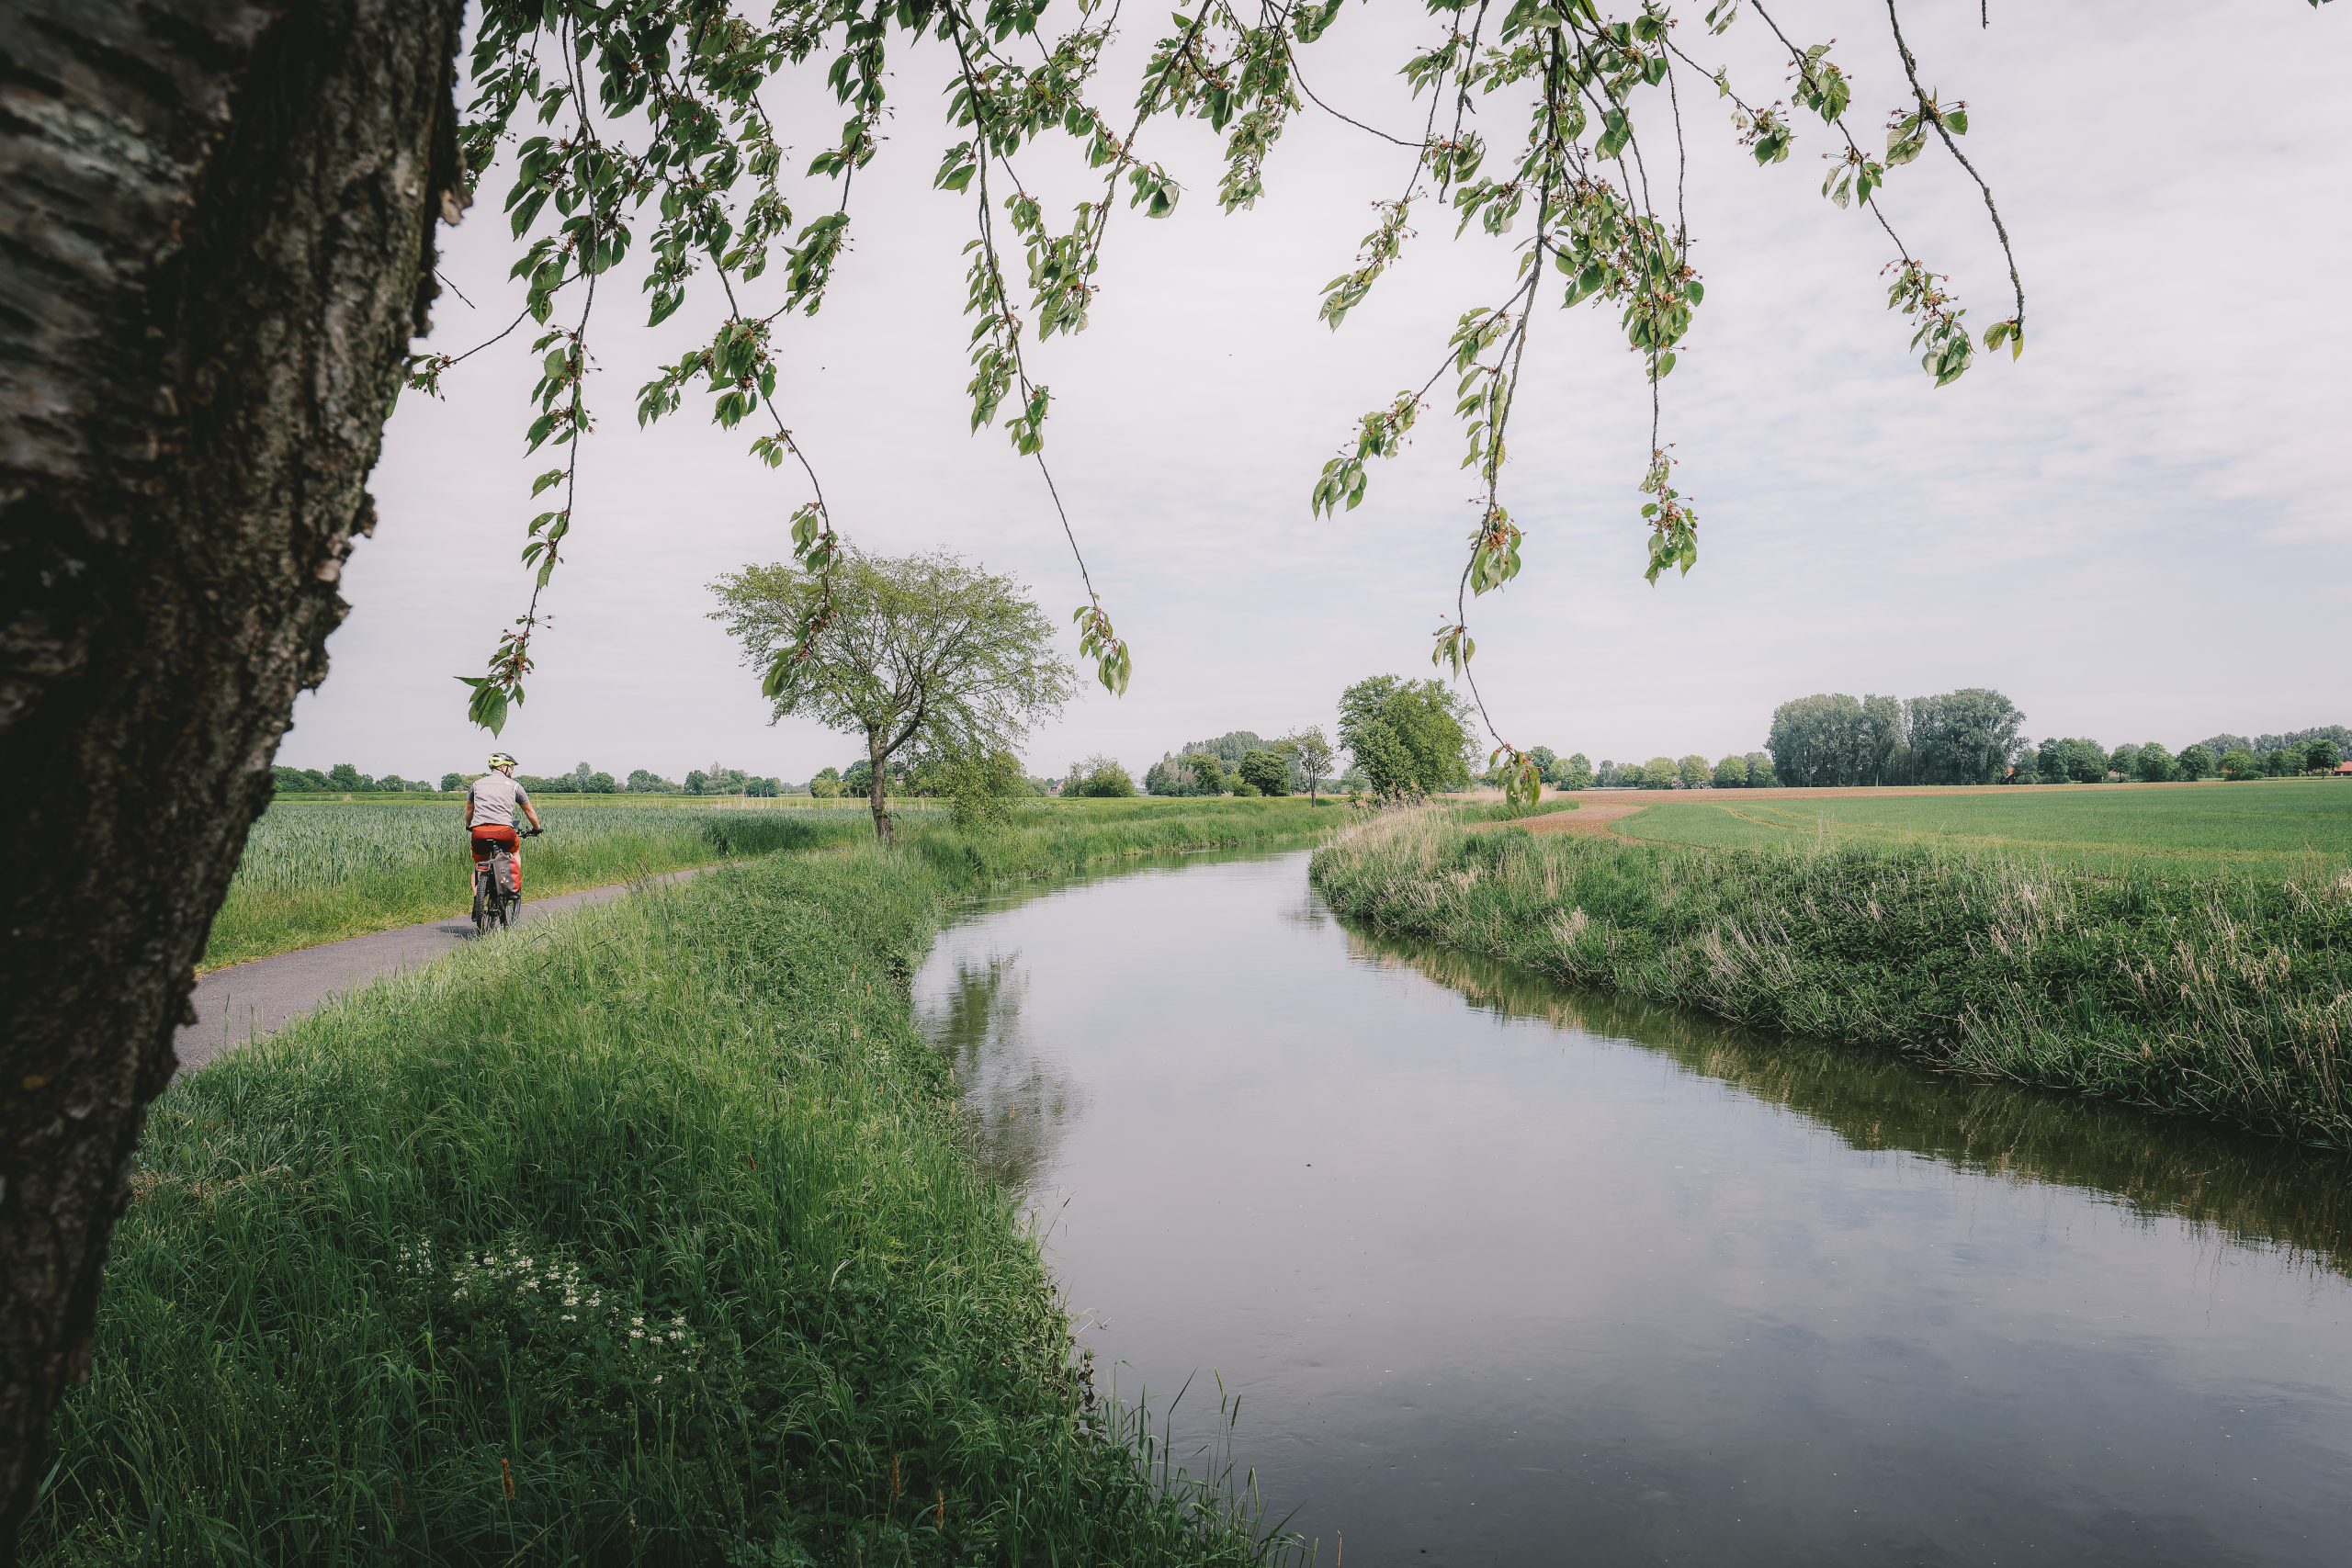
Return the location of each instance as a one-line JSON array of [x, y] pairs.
[[491, 803]]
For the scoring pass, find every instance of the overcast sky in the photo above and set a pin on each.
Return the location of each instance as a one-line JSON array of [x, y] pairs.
[[2138, 532]]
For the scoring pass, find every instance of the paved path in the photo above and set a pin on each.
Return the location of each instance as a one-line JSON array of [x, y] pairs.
[[245, 1001]]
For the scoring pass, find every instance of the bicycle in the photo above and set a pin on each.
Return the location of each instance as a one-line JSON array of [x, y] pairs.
[[498, 902]]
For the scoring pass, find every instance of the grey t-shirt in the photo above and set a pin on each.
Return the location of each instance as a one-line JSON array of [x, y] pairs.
[[494, 798]]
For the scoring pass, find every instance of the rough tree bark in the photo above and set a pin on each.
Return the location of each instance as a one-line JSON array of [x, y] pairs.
[[877, 787], [216, 241]]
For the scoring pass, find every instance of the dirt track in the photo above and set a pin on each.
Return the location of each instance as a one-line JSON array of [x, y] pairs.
[[1590, 816]]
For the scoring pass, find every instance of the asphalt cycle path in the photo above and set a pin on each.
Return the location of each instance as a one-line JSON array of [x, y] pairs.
[[246, 1001]]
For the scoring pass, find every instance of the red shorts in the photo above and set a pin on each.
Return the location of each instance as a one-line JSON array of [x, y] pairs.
[[492, 836]]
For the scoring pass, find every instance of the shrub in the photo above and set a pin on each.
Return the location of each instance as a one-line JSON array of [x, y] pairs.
[[1267, 771], [1099, 777]]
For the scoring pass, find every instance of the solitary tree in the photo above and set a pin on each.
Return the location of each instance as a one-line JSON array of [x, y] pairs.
[[1311, 749], [2153, 763], [919, 650], [1732, 773], [1573, 772], [1661, 773], [2194, 762], [1695, 773], [2321, 756]]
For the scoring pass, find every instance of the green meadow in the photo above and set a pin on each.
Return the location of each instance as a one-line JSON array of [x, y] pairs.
[[317, 871], [2271, 828], [320, 871]]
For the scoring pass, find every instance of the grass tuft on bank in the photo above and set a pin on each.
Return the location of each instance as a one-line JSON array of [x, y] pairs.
[[2221, 995], [647, 1234]]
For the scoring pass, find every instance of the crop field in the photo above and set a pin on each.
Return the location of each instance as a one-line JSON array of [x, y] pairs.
[[315, 872], [2277, 829]]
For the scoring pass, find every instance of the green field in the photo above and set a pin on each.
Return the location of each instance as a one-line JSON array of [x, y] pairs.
[[2281, 828], [317, 870], [648, 1235]]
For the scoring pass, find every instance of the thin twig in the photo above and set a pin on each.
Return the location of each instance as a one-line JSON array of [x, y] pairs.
[[1927, 108]]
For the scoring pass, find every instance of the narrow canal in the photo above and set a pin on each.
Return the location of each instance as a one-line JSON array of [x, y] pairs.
[[1506, 1274]]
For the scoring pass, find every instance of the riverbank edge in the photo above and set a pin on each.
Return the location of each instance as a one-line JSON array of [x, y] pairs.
[[2225, 998], [709, 1103]]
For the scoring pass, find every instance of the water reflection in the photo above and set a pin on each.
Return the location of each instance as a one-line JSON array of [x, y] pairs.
[[1016, 1101], [1507, 1275], [2247, 1188]]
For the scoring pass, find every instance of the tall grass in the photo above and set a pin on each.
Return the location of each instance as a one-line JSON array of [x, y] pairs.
[[317, 872], [649, 1235], [2217, 995]]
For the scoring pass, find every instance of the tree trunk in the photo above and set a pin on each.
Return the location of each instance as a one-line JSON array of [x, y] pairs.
[[884, 828], [216, 241]]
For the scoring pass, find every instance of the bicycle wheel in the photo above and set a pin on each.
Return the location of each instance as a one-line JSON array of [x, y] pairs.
[[510, 910]]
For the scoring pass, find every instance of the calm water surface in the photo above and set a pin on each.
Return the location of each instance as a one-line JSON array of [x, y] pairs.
[[1506, 1274]]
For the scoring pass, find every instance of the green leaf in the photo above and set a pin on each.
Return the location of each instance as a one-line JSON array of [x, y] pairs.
[[488, 707]]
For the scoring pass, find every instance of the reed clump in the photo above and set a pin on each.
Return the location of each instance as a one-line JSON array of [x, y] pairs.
[[2212, 995], [648, 1235]]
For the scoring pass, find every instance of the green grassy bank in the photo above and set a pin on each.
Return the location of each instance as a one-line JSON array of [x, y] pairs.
[[648, 1235], [2221, 995]]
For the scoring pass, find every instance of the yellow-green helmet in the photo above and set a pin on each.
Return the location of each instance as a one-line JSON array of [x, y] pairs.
[[501, 760]]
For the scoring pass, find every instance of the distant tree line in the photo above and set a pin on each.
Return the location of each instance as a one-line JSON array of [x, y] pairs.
[[583, 779], [1752, 770], [2077, 759], [933, 773], [340, 779], [1968, 736], [1974, 736], [1243, 762]]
